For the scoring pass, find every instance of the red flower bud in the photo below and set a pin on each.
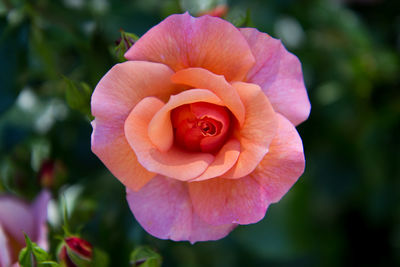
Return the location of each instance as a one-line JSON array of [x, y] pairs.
[[76, 246], [51, 173], [79, 246], [65, 259], [46, 173]]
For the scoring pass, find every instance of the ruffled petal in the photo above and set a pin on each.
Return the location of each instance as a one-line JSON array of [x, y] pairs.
[[224, 201], [283, 164], [257, 131], [279, 74], [110, 145], [224, 160], [164, 209], [175, 162], [204, 79], [182, 41], [126, 84]]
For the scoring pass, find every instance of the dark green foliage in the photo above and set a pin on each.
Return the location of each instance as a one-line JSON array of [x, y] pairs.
[[78, 96]]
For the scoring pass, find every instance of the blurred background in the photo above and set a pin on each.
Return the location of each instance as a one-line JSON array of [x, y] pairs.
[[343, 211]]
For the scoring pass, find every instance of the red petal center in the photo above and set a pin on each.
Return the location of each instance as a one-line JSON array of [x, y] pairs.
[[200, 126]]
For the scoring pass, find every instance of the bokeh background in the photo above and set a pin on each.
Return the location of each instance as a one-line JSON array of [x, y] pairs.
[[343, 211]]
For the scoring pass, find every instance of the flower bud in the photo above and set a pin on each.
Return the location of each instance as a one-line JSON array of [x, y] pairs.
[[75, 249], [51, 173]]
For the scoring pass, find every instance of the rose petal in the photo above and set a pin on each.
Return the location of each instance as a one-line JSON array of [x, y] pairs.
[[224, 160], [279, 74], [257, 132], [114, 97], [5, 257], [126, 84], [16, 218], [160, 128], [164, 209], [110, 145], [182, 41], [175, 162], [39, 213], [202, 78], [283, 164], [223, 201]]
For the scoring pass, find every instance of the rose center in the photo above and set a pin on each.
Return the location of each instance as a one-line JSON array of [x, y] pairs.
[[207, 126], [201, 126]]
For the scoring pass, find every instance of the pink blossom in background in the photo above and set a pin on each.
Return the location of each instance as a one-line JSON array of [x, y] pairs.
[[18, 217], [199, 125], [218, 11]]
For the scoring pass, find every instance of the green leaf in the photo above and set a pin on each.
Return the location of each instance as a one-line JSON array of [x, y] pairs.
[[145, 257], [65, 227], [78, 96], [25, 258], [48, 264], [32, 254]]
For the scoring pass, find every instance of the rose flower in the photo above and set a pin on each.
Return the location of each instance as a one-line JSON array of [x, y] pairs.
[[199, 125]]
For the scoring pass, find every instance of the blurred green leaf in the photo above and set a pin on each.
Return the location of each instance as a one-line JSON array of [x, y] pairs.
[[240, 18], [48, 263], [145, 257], [78, 96], [33, 255]]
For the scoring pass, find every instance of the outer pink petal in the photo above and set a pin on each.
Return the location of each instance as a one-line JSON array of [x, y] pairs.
[[110, 145], [223, 201], [182, 41], [164, 209], [175, 162], [283, 164], [202, 78], [257, 131], [126, 84], [5, 257], [112, 101], [16, 218], [279, 74], [224, 160], [39, 213]]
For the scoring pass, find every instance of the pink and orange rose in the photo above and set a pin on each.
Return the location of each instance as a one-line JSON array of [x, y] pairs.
[[199, 125]]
